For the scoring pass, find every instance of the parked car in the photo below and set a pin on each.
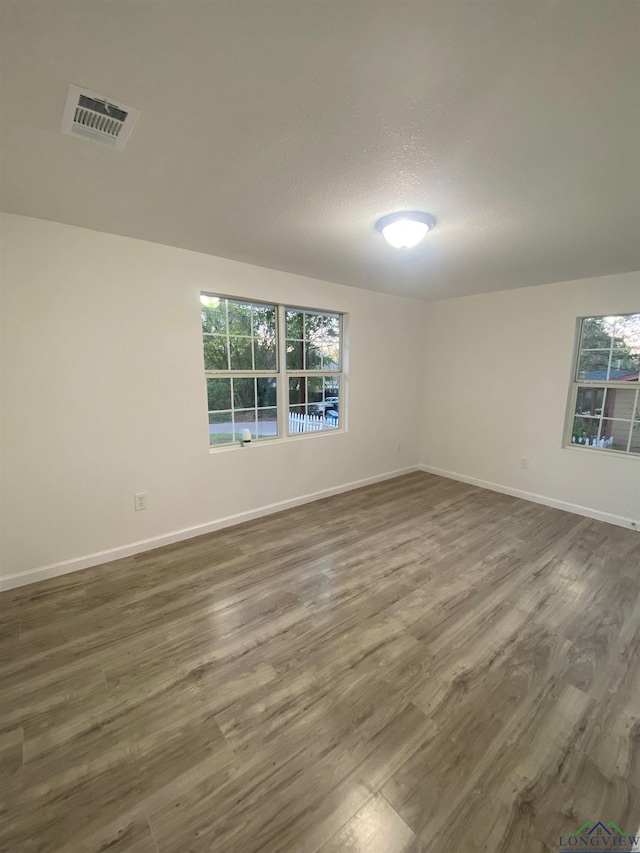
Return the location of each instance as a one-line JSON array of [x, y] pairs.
[[328, 409]]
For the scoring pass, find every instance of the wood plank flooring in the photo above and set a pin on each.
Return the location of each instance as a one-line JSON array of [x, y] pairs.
[[418, 665]]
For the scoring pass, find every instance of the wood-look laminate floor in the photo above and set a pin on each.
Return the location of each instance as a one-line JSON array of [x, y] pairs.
[[418, 665]]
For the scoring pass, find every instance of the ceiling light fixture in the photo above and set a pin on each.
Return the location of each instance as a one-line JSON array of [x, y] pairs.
[[406, 229]]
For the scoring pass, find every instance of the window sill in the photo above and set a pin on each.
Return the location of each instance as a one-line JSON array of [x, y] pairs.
[[283, 440], [601, 451]]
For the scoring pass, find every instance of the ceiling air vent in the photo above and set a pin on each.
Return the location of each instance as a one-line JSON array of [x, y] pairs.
[[98, 119]]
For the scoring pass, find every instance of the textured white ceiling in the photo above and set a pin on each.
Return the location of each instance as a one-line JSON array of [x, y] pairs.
[[277, 132]]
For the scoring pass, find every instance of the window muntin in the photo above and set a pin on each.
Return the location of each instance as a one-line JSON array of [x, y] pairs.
[[250, 383], [605, 408]]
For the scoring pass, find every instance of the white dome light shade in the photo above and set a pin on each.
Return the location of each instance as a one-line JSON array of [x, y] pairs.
[[405, 230]]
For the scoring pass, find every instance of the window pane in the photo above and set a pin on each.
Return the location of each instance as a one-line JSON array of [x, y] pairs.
[[264, 333], [267, 423], [626, 333], [245, 419], [589, 401], [294, 324], [593, 366], [332, 388], [624, 366], [585, 431], [332, 398], [313, 357], [312, 324], [635, 438], [596, 332], [330, 357], [318, 326], [297, 389], [240, 350], [297, 419], [214, 314], [315, 389], [265, 354], [295, 350], [215, 353], [333, 326], [239, 318], [218, 394], [220, 428], [614, 435], [619, 403], [244, 393], [216, 438], [267, 392], [264, 321]]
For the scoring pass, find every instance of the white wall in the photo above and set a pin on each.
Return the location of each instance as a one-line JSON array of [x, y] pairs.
[[496, 381], [103, 394]]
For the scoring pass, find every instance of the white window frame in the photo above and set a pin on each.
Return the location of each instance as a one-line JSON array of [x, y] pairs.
[[576, 384], [282, 375]]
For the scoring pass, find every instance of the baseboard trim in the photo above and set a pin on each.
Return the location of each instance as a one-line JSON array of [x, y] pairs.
[[577, 509], [99, 557]]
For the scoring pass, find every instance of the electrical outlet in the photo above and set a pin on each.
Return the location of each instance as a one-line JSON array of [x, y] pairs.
[[140, 501], [524, 463]]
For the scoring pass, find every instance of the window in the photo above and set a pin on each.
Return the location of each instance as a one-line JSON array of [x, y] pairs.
[[604, 411], [313, 369], [240, 360], [271, 369]]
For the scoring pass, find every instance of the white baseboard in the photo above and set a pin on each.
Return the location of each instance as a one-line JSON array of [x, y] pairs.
[[66, 566], [620, 520]]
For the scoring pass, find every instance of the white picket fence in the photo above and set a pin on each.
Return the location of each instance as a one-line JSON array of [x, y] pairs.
[[604, 442], [309, 423]]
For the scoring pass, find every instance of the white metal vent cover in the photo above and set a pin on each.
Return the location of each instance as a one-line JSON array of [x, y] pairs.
[[98, 119]]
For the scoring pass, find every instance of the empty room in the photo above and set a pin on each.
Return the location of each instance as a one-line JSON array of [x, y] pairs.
[[320, 426]]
